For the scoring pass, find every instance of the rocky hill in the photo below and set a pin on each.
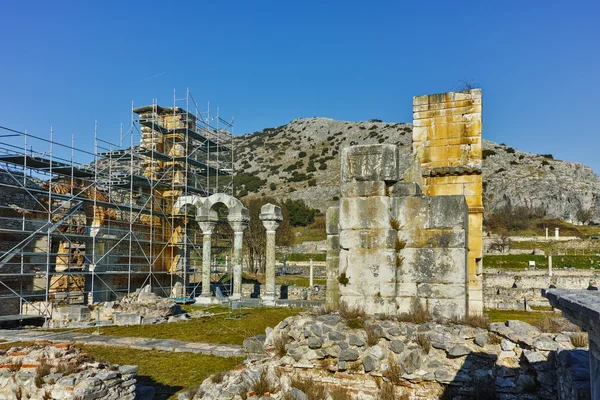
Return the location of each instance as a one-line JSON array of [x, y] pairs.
[[301, 160]]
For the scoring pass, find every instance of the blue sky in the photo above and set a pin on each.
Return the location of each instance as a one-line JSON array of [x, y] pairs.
[[66, 64]]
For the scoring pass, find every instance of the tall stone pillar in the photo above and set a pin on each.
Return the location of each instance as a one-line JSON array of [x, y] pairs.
[[332, 294], [207, 230], [270, 215], [447, 141], [238, 238]]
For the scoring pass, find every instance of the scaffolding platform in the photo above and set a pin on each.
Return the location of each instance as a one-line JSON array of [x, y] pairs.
[[125, 234]]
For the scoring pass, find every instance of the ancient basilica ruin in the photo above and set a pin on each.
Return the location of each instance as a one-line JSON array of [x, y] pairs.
[[150, 210], [412, 229]]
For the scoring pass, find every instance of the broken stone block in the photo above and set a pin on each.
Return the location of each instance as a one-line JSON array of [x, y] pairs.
[[370, 163], [127, 319], [74, 313]]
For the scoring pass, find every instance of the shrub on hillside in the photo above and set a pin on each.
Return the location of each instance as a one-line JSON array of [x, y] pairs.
[[300, 214]]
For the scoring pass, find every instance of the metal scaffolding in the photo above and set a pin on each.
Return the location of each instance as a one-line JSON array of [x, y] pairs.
[[79, 226]]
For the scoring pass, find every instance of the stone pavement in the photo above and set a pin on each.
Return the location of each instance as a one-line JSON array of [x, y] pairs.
[[221, 350]]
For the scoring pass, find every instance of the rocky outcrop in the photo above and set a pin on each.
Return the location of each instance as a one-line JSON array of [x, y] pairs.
[[286, 159], [63, 372], [511, 360]]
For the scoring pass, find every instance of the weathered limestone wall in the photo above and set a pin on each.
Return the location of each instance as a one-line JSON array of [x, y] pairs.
[[395, 244], [447, 142], [432, 235]]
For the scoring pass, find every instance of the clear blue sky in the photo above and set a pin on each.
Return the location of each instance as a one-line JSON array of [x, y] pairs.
[[66, 64]]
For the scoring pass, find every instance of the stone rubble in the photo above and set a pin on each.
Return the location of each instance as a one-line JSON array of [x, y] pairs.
[[514, 359], [141, 307], [69, 374]]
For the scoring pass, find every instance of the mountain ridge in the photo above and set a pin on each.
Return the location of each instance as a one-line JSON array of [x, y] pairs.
[[301, 160]]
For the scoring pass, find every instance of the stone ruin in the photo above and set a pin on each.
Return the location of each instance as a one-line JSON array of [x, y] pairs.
[[61, 371], [410, 230]]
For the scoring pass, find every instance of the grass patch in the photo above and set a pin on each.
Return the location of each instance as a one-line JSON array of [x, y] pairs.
[[531, 317], [298, 280], [303, 257], [311, 233], [168, 372], [211, 329], [521, 261]]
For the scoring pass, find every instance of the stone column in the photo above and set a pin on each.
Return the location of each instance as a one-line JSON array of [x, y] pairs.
[[556, 233], [270, 215], [207, 230], [311, 274], [238, 238], [332, 294], [550, 265]]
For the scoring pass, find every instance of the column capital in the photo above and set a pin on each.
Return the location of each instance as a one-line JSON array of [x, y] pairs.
[[238, 226], [271, 226], [207, 227], [270, 215]]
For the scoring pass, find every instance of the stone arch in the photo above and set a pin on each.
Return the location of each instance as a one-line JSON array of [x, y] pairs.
[[206, 216], [237, 211]]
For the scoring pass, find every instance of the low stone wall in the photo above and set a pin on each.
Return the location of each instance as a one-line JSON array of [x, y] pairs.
[[284, 292], [511, 360], [511, 290], [63, 372]]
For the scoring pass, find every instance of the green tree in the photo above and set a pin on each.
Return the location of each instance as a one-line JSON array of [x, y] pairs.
[[300, 214]]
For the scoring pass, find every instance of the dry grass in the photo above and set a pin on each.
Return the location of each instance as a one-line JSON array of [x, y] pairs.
[[355, 367], [42, 370], [339, 393], [394, 370], [217, 377], [418, 313], [66, 369], [386, 391], [354, 316], [313, 390], [476, 321], [261, 385], [372, 336], [493, 338], [424, 342], [579, 339], [15, 366], [327, 363], [552, 325], [279, 344]]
